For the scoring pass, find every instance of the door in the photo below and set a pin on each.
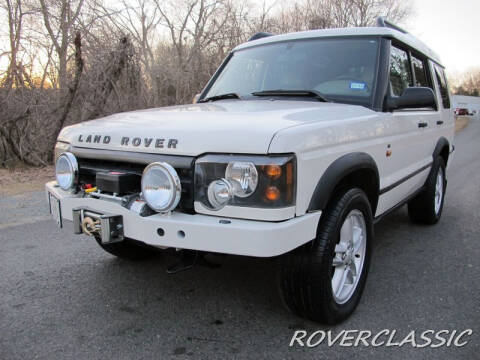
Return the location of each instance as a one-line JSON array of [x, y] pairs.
[[445, 124], [406, 168]]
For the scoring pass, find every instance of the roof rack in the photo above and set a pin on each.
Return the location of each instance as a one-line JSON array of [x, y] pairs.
[[259, 35], [381, 22]]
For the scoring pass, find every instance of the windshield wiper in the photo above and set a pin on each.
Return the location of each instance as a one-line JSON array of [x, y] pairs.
[[220, 97], [305, 93]]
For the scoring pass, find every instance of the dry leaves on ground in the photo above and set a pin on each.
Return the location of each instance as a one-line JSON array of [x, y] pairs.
[[24, 179]]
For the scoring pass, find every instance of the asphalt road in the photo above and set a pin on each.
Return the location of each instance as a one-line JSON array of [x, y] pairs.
[[63, 297]]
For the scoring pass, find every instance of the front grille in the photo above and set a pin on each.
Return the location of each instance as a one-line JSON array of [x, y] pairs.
[[88, 168]]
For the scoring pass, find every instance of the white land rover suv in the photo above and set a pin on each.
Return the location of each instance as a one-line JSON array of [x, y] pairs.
[[295, 148]]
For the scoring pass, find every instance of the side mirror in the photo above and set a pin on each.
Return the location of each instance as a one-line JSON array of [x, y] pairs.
[[413, 98], [195, 98]]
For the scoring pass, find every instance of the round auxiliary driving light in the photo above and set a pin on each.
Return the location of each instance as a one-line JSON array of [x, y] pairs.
[[219, 193], [161, 187], [66, 171], [244, 176]]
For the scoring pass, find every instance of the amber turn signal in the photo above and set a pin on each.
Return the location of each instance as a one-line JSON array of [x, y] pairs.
[[273, 171], [272, 193]]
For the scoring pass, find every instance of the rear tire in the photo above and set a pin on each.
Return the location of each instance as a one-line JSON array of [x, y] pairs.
[[427, 207], [129, 249], [310, 277]]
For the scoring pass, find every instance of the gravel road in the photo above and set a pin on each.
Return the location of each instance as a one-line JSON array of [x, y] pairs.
[[62, 297]]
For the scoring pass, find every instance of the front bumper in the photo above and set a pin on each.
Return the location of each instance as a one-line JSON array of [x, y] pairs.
[[200, 232]]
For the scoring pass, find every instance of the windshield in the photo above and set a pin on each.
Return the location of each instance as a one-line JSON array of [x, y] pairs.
[[342, 69]]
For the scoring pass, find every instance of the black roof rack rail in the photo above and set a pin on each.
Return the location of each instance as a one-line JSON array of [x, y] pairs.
[[381, 22], [259, 35]]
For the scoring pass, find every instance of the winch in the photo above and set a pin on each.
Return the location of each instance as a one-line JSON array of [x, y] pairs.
[[107, 227]]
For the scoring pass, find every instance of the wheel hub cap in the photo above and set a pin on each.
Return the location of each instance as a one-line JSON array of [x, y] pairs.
[[349, 256], [439, 191]]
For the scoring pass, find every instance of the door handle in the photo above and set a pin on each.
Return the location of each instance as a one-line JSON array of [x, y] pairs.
[[439, 122], [422, 124]]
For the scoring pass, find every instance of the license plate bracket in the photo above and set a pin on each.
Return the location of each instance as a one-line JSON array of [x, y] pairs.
[[55, 209]]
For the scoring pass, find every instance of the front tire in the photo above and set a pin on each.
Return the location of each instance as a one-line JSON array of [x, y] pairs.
[[324, 279], [427, 207]]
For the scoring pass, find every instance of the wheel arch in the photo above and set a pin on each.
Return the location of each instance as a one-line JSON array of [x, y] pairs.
[[442, 149], [355, 169]]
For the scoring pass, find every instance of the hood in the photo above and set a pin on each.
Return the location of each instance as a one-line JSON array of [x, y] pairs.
[[227, 126]]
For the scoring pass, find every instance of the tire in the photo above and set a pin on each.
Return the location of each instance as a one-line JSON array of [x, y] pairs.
[[307, 274], [129, 249], [426, 207]]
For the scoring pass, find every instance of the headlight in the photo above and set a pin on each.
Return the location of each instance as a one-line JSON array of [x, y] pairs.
[[161, 187], [244, 176], [66, 171], [243, 180], [220, 192], [60, 148]]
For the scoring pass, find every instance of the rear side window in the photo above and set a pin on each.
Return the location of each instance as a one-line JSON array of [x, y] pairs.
[[443, 86], [400, 71], [420, 71]]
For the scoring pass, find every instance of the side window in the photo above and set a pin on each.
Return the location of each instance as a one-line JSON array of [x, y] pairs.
[[443, 86], [400, 71], [420, 71]]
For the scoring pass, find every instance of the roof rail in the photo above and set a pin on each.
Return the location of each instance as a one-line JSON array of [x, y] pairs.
[[381, 22], [260, 35]]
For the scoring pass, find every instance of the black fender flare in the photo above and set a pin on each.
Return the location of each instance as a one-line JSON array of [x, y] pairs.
[[441, 143], [336, 172]]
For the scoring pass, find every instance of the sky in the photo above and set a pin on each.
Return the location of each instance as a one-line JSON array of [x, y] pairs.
[[451, 28]]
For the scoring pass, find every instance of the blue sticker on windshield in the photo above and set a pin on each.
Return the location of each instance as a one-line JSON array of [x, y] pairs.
[[358, 86]]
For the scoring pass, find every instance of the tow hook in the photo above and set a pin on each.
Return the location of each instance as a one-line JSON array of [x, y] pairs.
[[188, 259], [91, 227]]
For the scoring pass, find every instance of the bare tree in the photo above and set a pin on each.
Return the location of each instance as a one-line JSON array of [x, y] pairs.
[[20, 127], [59, 17], [16, 11], [468, 83], [195, 29], [365, 12], [162, 51], [321, 14], [140, 19]]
